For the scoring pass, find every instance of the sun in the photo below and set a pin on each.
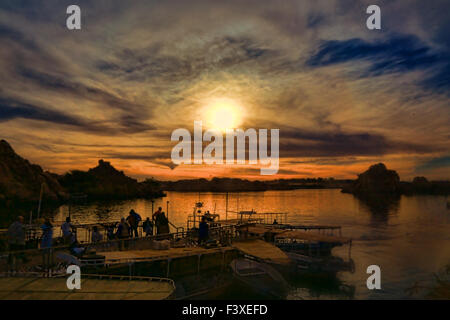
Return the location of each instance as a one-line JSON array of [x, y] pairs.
[[221, 114]]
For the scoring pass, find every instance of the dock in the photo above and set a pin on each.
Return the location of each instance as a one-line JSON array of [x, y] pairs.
[[155, 255], [93, 287], [262, 250]]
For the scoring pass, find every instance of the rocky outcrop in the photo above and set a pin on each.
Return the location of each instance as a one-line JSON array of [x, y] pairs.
[[376, 181], [378, 187], [20, 180], [106, 182]]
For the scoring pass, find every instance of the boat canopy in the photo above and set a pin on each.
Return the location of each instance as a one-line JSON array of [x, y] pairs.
[[312, 237]]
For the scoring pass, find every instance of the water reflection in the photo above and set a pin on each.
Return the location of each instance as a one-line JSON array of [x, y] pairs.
[[381, 208]]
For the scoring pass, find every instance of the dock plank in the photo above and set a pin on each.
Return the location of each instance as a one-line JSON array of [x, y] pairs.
[[154, 254], [262, 250]]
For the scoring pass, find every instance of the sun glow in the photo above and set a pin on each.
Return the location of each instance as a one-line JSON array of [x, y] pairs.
[[222, 114]]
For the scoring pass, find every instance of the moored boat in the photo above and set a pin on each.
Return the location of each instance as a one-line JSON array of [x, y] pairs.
[[260, 277]]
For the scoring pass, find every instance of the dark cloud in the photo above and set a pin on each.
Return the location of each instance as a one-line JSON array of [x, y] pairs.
[[440, 162], [7, 33], [315, 19], [401, 53], [14, 109], [158, 158], [303, 143], [130, 120], [64, 85]]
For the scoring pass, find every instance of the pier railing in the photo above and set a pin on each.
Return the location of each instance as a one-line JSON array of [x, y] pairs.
[[45, 259]]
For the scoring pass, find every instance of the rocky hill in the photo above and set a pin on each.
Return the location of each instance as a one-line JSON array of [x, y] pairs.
[[378, 182], [20, 180], [106, 182]]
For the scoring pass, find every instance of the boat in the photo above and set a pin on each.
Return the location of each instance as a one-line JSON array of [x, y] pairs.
[[328, 264], [308, 250], [93, 287], [308, 243], [260, 277]]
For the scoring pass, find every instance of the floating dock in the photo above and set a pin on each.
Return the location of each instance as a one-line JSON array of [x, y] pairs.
[[154, 255], [262, 250]]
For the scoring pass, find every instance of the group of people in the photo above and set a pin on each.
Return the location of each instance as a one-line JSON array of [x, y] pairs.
[[16, 239], [128, 227], [16, 234]]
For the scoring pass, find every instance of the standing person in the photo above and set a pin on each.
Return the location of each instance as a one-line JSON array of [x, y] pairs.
[[123, 232], [157, 217], [96, 235], [133, 220], [163, 224], [148, 227], [16, 241], [46, 242], [110, 232], [67, 231], [47, 234], [203, 231]]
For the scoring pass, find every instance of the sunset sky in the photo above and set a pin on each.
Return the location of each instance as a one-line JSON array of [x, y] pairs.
[[344, 97]]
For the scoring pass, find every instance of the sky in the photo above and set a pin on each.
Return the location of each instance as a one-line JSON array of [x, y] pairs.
[[343, 96]]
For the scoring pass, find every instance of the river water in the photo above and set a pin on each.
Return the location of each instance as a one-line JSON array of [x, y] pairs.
[[409, 240]]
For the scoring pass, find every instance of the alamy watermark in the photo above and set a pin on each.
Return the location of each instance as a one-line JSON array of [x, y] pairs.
[[374, 280], [213, 152], [74, 280], [73, 22]]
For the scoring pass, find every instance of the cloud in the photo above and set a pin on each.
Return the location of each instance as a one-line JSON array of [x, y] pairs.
[[7, 33], [134, 113], [153, 62], [304, 143], [440, 162], [11, 109], [396, 54]]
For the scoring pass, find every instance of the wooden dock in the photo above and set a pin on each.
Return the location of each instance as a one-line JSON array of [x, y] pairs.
[[155, 255], [92, 288], [262, 250]]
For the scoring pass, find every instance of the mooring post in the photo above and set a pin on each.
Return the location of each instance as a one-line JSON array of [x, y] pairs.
[[167, 209], [168, 267], [350, 250], [40, 200], [226, 206]]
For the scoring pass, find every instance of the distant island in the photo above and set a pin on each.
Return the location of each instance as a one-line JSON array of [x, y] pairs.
[[242, 185], [378, 181]]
